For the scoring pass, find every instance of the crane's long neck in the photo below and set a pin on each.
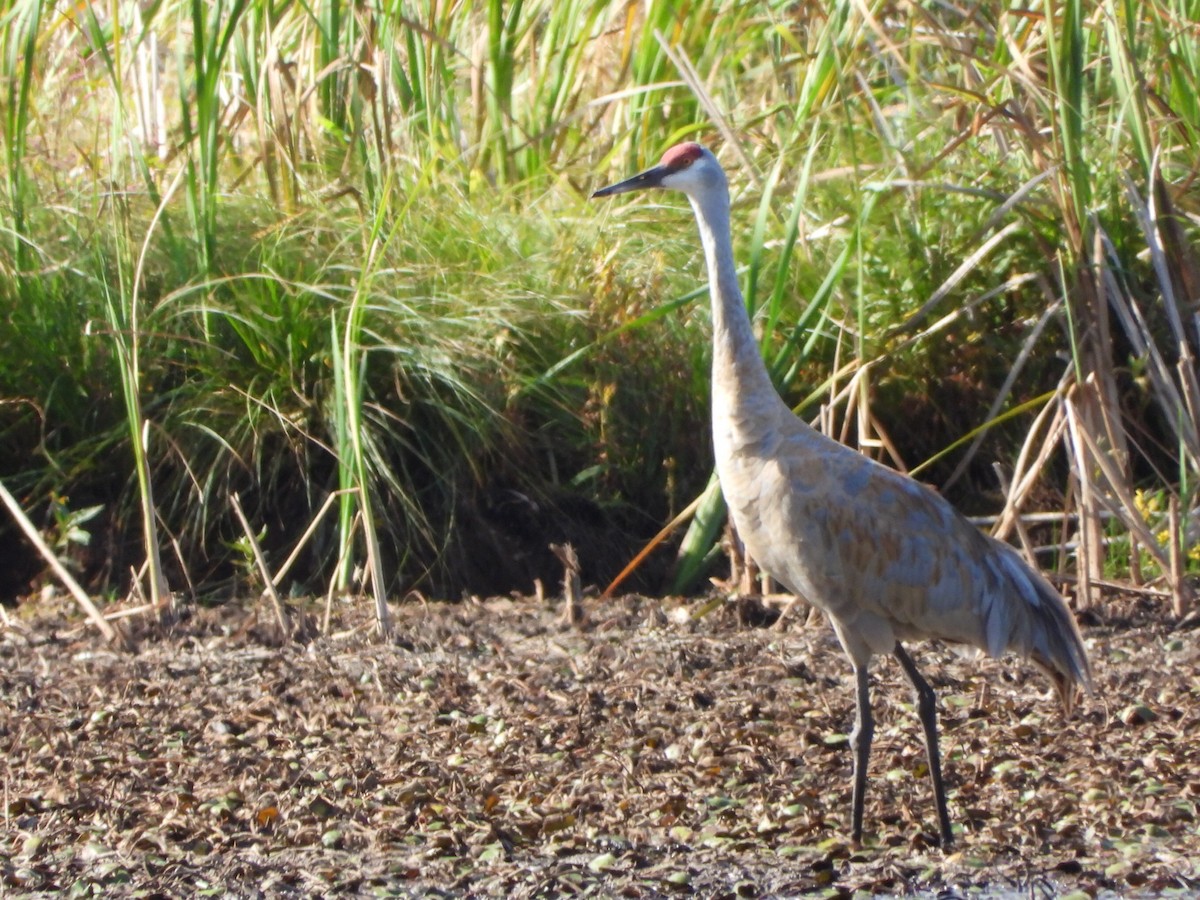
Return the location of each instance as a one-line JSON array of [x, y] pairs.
[[745, 402]]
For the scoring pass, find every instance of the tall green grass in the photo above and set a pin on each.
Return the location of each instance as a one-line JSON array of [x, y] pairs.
[[379, 274], [21, 27]]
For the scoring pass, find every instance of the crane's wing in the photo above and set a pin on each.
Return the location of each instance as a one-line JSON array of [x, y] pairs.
[[889, 559]]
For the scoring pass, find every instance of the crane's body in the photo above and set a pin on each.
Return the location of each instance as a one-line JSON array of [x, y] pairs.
[[886, 558]]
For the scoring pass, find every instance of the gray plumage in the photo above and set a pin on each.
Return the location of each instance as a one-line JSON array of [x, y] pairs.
[[887, 559]]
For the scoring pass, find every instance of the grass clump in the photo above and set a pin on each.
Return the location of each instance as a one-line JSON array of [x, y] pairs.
[[343, 250], [463, 441]]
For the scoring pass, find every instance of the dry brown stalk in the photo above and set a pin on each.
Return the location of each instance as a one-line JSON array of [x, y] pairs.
[[111, 634], [260, 561]]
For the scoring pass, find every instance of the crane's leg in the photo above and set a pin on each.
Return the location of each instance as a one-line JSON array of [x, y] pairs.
[[927, 710], [860, 741]]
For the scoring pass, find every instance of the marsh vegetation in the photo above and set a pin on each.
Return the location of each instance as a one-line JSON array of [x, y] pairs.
[[300, 252], [310, 296]]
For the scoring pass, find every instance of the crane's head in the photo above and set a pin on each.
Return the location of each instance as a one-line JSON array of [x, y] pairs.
[[685, 167]]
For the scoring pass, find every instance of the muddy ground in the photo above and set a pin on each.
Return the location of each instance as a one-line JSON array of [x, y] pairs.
[[493, 750]]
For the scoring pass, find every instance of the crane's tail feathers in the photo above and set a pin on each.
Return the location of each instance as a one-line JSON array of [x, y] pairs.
[[1043, 630]]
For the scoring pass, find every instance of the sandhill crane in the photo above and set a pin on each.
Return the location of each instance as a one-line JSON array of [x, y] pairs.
[[884, 557]]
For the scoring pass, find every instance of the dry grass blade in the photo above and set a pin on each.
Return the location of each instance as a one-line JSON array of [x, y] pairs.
[[684, 515], [1181, 590], [573, 612], [1189, 386], [967, 266], [110, 633], [1027, 347], [261, 562], [1084, 445], [313, 524], [1022, 533], [1026, 474]]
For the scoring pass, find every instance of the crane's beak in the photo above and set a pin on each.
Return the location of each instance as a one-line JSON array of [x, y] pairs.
[[651, 178]]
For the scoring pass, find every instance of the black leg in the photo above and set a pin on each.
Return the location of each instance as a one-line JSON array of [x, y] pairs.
[[927, 710], [860, 741]]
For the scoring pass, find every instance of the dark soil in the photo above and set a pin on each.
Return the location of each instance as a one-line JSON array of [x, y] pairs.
[[495, 751]]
